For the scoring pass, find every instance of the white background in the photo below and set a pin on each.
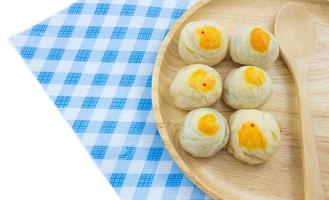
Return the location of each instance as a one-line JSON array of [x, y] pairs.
[[40, 156]]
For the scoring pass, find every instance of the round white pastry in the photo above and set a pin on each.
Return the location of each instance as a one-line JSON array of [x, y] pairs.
[[247, 87], [254, 136], [253, 45], [203, 42], [196, 86], [204, 132]]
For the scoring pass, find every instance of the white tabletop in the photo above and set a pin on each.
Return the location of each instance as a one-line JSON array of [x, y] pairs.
[[40, 156]]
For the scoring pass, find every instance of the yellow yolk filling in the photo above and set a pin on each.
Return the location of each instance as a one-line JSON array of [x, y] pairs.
[[260, 40], [201, 81], [254, 76], [208, 124], [209, 37], [251, 137]]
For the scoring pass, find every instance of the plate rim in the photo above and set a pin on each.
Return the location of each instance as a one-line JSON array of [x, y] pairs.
[[156, 108]]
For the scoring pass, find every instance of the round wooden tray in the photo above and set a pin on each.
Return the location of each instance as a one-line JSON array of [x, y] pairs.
[[222, 176]]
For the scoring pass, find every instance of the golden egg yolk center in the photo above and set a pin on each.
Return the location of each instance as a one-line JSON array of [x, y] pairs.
[[254, 76], [251, 137], [208, 124], [260, 40], [209, 37], [201, 80]]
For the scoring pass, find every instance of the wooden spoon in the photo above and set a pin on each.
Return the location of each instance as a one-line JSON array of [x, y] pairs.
[[296, 33]]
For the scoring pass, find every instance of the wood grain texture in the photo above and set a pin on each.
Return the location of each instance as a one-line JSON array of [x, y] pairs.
[[294, 25], [222, 176]]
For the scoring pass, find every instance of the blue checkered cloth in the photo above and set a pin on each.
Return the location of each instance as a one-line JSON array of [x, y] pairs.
[[94, 60]]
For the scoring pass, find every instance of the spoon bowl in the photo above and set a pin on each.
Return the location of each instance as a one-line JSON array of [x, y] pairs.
[[296, 31]]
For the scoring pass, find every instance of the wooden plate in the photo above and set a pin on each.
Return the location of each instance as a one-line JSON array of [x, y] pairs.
[[222, 176]]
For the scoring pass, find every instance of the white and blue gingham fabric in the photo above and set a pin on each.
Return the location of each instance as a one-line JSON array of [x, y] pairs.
[[95, 60]]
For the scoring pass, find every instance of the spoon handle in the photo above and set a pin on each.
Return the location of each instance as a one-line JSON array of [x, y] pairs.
[[313, 188]]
